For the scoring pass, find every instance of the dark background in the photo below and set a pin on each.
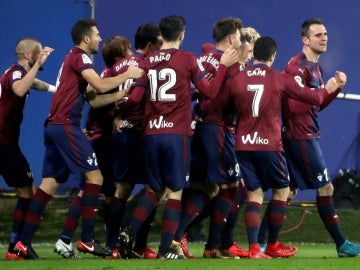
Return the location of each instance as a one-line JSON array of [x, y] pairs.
[[51, 22]]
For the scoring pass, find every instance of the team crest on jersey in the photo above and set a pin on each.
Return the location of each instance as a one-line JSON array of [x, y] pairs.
[[16, 75], [299, 81], [231, 171], [86, 59], [90, 160]]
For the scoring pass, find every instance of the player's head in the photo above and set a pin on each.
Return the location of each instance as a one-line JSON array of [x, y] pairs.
[[28, 49], [314, 36], [251, 35], [172, 28], [114, 49], [86, 32], [264, 49], [148, 38], [244, 50], [228, 30]]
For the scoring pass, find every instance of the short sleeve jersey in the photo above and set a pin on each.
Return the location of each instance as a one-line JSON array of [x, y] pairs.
[[168, 77], [11, 106], [68, 101], [257, 93], [303, 123]]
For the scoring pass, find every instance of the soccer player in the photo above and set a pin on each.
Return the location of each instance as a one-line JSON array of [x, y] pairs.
[[251, 35], [66, 147], [14, 90], [167, 122], [214, 161], [99, 132], [128, 147], [301, 132], [256, 93]]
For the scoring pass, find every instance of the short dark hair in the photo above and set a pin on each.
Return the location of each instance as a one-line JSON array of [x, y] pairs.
[[171, 27], [264, 48], [306, 25], [116, 46], [146, 33], [225, 27], [82, 28]]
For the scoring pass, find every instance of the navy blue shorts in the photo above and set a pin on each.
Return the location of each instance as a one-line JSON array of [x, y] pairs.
[[306, 164], [213, 155], [128, 157], [67, 149], [14, 167], [102, 147], [264, 169], [167, 161]]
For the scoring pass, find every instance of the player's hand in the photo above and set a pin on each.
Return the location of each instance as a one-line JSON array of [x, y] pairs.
[[134, 72], [43, 55], [229, 57], [340, 79], [331, 85], [118, 124]]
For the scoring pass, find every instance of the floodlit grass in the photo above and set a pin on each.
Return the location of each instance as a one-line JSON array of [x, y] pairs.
[[302, 228], [319, 257]]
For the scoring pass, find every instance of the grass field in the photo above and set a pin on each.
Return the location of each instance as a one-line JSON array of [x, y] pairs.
[[302, 227], [310, 256]]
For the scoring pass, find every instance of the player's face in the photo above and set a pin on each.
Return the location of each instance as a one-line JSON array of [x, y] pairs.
[[235, 40], [95, 40], [317, 38], [34, 55], [244, 53]]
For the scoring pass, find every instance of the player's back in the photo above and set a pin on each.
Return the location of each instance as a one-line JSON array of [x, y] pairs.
[[168, 97], [133, 114], [257, 93]]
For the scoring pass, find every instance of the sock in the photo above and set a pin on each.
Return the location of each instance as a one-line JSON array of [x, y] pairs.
[[142, 234], [193, 203], [18, 221], [36, 208], [170, 222], [276, 217], [222, 205], [231, 222], [252, 221], [89, 203], [113, 220], [330, 219], [71, 220], [263, 235], [143, 209]]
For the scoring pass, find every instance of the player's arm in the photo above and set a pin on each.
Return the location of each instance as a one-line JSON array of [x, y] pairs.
[[296, 106], [341, 81], [43, 86], [211, 90], [207, 106], [106, 84], [308, 95], [22, 86], [97, 101]]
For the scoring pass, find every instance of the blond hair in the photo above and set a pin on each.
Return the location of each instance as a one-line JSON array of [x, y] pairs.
[[251, 33]]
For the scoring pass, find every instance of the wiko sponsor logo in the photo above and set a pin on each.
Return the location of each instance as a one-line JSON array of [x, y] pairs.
[[160, 123], [254, 139]]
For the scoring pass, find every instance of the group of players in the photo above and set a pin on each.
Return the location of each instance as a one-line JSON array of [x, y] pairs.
[[206, 133]]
